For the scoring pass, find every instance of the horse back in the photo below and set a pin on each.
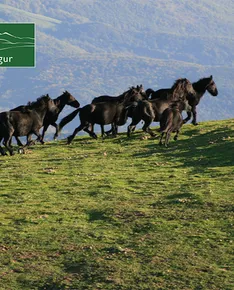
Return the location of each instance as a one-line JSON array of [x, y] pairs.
[[105, 98], [161, 93], [100, 113], [22, 108]]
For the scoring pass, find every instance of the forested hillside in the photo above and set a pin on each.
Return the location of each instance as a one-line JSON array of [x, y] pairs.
[[103, 47]]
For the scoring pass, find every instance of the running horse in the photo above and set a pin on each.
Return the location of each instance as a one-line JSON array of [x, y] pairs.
[[26, 122], [151, 110], [200, 87]]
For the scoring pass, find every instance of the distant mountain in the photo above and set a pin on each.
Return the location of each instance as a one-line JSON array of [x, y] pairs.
[[94, 47]]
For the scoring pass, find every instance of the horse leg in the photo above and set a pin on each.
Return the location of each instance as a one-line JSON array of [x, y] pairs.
[[176, 135], [132, 126], [109, 131], [91, 127], [189, 115], [1, 149], [194, 121], [160, 141], [78, 129], [56, 130], [19, 143], [39, 137], [114, 129], [102, 131], [43, 132], [146, 127], [29, 140], [91, 133], [6, 142], [168, 134]]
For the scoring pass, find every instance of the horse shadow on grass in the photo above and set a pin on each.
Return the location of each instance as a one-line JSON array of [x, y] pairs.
[[199, 152]]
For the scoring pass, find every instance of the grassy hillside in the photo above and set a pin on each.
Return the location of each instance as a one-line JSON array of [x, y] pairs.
[[120, 213]]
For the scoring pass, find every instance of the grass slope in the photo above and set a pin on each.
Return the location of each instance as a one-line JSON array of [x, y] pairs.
[[120, 213]]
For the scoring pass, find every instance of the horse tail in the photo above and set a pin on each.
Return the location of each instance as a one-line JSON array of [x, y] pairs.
[[166, 121], [68, 119], [148, 110], [149, 93]]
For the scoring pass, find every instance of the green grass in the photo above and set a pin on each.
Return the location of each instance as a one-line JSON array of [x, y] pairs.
[[120, 213]]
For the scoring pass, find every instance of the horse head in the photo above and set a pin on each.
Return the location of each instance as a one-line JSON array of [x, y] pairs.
[[211, 87], [135, 94], [70, 100], [143, 93]]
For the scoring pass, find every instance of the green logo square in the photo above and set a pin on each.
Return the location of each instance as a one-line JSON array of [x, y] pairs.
[[17, 45]]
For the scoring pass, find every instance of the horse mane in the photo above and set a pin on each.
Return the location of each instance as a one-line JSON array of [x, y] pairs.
[[125, 95], [180, 87], [58, 99], [41, 99], [202, 83]]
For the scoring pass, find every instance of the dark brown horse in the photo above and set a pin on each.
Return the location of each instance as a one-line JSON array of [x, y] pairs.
[[172, 120], [24, 123], [133, 94], [102, 113], [51, 116], [200, 87], [151, 110], [123, 97]]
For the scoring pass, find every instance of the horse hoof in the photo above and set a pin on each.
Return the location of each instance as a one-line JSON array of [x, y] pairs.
[[21, 151], [195, 124], [69, 140]]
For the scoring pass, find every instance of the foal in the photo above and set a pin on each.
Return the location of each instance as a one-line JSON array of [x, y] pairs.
[[172, 120]]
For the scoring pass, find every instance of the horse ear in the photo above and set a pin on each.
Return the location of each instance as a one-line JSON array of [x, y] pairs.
[[211, 77]]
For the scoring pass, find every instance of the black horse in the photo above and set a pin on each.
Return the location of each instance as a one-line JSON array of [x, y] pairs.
[[133, 94], [52, 115], [125, 95], [24, 123], [151, 110], [200, 87], [102, 113], [172, 120]]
